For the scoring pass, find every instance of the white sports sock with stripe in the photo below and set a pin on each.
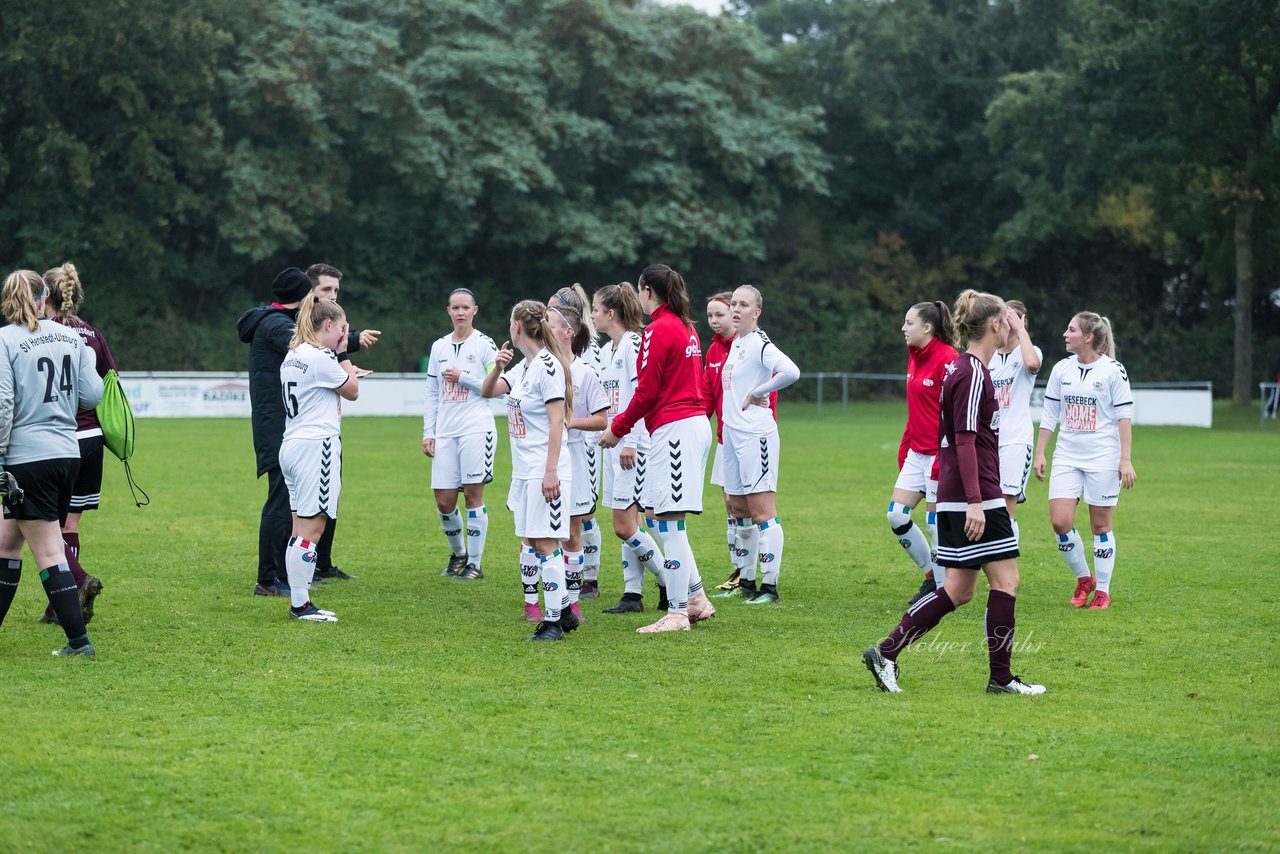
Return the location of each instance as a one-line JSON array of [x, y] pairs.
[[749, 548], [771, 540], [1104, 559], [529, 574], [1072, 549], [590, 549], [451, 524], [477, 533]]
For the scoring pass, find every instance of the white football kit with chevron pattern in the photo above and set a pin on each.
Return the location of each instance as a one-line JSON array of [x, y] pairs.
[[751, 445], [311, 454]]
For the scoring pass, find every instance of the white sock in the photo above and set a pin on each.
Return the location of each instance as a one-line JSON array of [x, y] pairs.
[[679, 565], [632, 571], [300, 566], [939, 572], [731, 534], [771, 540], [572, 575], [529, 574], [1104, 559], [647, 552], [749, 548], [477, 533], [553, 597], [590, 549], [913, 539], [451, 523], [1072, 548]]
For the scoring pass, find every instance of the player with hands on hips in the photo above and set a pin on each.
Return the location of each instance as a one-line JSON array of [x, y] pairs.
[[458, 435], [1013, 371], [973, 523], [1089, 402], [753, 370], [539, 396], [313, 383]]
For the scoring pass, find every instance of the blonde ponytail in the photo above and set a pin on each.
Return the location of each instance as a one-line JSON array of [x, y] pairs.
[[974, 311], [312, 313], [66, 294], [20, 297], [1104, 340], [531, 316]]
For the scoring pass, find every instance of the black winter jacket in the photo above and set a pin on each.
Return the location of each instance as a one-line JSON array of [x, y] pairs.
[[267, 330]]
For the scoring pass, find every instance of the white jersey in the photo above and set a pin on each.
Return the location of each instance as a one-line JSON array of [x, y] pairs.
[[588, 396], [309, 380], [458, 409], [46, 376], [1085, 403], [534, 383], [753, 366], [1014, 384], [619, 376]]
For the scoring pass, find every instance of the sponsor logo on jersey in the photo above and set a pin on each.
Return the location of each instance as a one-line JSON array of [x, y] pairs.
[[927, 383]]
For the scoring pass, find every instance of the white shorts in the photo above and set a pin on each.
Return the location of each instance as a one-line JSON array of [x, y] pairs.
[[750, 462], [1097, 488], [537, 518], [312, 471], [622, 487], [1015, 467], [583, 459], [717, 465], [677, 463], [463, 460], [917, 476]]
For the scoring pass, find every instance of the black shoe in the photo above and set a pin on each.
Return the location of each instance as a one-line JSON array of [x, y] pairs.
[[926, 587], [45, 619], [457, 563], [548, 632], [747, 589], [334, 572], [630, 603], [275, 588], [568, 620], [663, 604], [471, 573], [590, 589]]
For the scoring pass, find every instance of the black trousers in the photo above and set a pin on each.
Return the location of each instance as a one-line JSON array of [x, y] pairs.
[[274, 530]]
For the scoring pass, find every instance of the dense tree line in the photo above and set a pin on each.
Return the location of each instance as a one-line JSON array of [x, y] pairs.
[[851, 156]]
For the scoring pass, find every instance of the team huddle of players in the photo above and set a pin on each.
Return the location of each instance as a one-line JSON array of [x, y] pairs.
[[632, 411]]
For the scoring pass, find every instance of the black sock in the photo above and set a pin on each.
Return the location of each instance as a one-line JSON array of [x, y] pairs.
[[10, 572], [64, 596], [663, 604], [632, 597]]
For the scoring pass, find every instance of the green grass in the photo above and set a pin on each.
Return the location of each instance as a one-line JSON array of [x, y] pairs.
[[424, 720]]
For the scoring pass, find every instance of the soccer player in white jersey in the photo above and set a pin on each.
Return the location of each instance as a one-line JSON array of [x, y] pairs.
[[617, 313], [567, 309], [753, 369], [46, 375], [539, 397], [1089, 402], [1013, 371], [590, 528], [313, 384], [458, 434]]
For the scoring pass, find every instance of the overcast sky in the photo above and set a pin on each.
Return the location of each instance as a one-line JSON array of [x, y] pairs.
[[711, 6]]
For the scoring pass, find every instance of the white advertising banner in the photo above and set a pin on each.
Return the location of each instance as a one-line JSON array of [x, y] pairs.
[[180, 394]]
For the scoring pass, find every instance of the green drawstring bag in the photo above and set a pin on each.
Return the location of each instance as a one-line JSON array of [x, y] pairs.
[[116, 417]]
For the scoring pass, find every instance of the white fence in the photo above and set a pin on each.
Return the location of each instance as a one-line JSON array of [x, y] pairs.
[[1188, 404], [210, 395]]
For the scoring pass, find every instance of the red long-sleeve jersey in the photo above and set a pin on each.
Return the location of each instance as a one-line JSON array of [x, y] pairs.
[[669, 386], [926, 368], [713, 391]]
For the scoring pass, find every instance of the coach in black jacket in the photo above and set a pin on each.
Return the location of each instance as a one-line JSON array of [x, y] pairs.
[[267, 330]]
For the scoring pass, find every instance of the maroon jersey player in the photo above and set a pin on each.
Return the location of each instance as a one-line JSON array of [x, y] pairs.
[[974, 531]]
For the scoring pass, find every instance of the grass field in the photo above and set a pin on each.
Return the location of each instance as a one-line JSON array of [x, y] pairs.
[[423, 720]]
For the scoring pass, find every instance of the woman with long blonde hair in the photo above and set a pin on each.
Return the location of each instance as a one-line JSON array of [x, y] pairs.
[[47, 374], [313, 384]]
